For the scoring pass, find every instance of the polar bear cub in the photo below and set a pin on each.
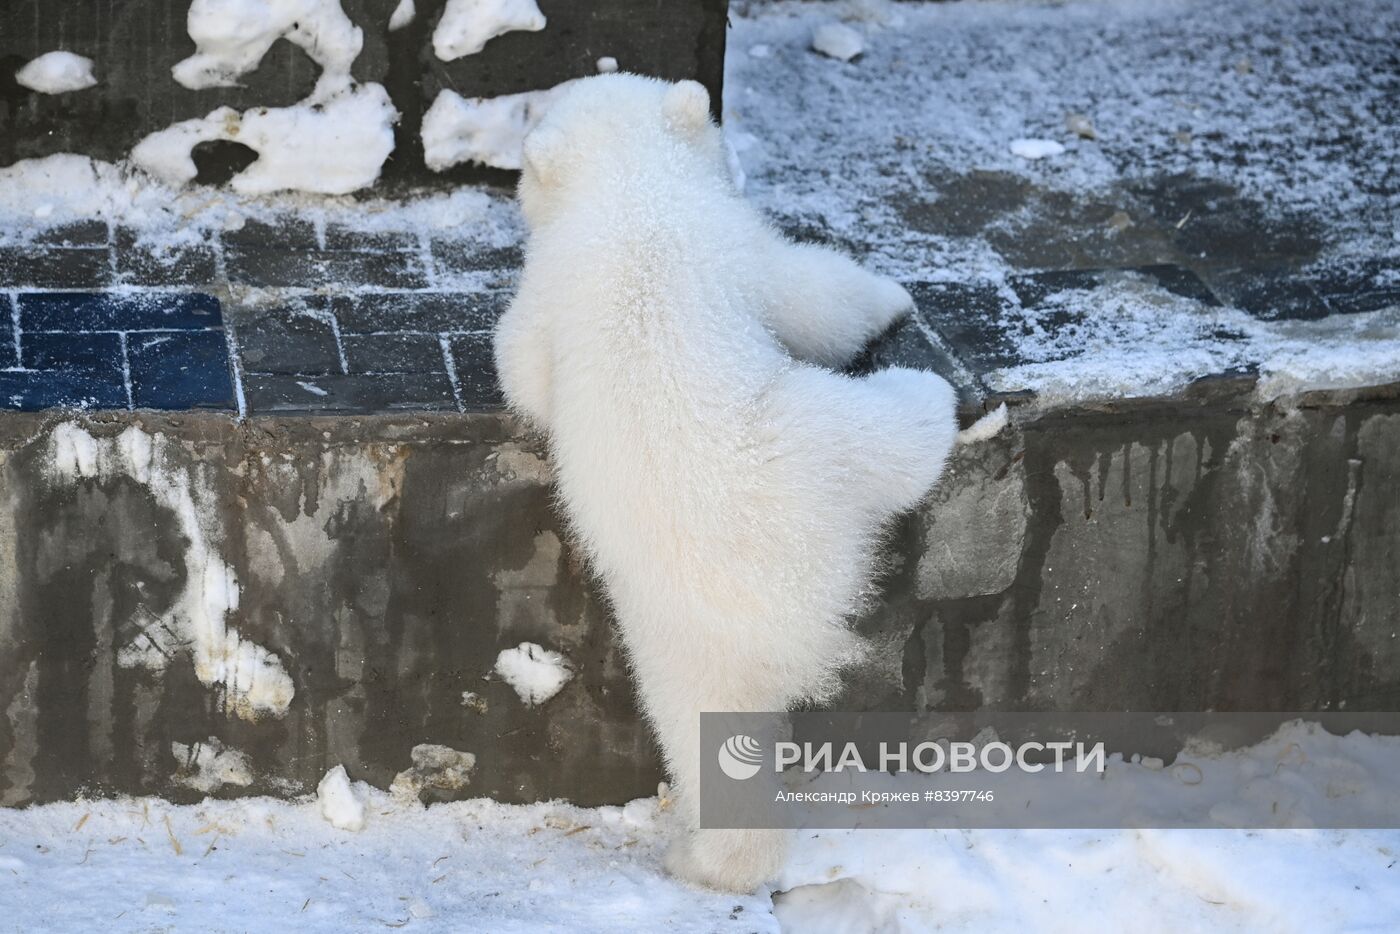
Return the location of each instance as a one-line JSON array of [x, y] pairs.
[[727, 488]]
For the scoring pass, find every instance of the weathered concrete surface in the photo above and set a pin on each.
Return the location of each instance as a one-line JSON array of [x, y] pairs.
[[1185, 555]]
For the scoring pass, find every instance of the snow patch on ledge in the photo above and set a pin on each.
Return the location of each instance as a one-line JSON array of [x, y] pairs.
[[253, 679], [57, 73], [332, 147], [467, 25], [534, 672], [1130, 338], [232, 36], [486, 130], [39, 195]]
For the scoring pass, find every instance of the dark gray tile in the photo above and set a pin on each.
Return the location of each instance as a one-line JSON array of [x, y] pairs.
[[366, 313], [81, 233], [259, 266], [359, 394], [972, 319], [475, 364], [343, 238], [1352, 287], [283, 341], [288, 233], [394, 353], [55, 267], [180, 370], [461, 256], [142, 264], [1274, 296]]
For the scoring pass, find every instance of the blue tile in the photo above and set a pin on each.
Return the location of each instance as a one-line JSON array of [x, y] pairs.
[[97, 355], [8, 356], [95, 311], [187, 370], [32, 391]]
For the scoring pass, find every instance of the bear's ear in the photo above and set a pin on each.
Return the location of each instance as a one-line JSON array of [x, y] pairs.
[[686, 106], [543, 149]]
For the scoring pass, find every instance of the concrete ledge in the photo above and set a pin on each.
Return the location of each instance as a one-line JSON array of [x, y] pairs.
[[315, 591]]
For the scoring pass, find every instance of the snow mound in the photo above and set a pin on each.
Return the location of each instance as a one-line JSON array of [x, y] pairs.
[[332, 147], [1035, 148], [838, 41], [403, 14], [210, 765], [57, 73], [232, 36], [536, 673], [467, 25], [486, 130], [339, 802]]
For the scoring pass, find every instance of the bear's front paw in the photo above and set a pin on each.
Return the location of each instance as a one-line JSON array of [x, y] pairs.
[[729, 860], [890, 302]]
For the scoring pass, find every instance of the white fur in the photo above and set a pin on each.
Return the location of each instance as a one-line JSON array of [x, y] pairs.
[[728, 489]]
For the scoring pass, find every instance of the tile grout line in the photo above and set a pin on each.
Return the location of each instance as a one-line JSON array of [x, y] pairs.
[[235, 366], [126, 372], [15, 328], [451, 365]]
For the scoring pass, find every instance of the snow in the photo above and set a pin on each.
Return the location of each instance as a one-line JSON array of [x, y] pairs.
[[988, 426], [340, 803], [333, 142], [1035, 148], [467, 25], [403, 15], [535, 673], [333, 147], [606, 65], [1131, 338], [837, 41], [232, 36], [261, 864], [210, 765], [57, 73], [486, 130], [1133, 91], [253, 680]]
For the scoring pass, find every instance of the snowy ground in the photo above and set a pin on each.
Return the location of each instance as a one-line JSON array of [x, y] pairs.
[[264, 865]]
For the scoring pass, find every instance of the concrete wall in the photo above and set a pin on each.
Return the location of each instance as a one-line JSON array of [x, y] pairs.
[[136, 42], [308, 592]]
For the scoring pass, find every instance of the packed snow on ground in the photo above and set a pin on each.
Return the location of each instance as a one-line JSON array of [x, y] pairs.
[[1035, 148], [838, 41], [57, 73], [260, 865]]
